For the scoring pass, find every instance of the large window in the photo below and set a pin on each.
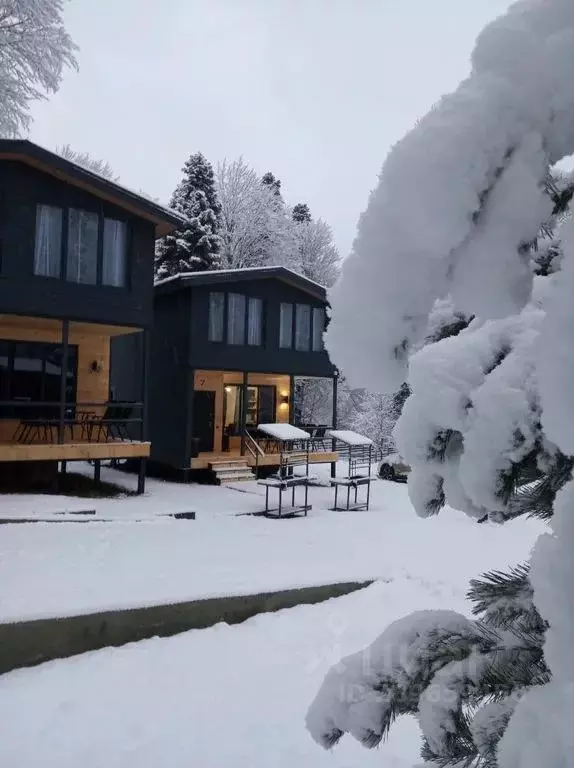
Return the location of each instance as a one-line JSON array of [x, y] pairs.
[[255, 322], [48, 247], [286, 326], [238, 322], [31, 372], [318, 328], [82, 266], [216, 316], [260, 407], [115, 253], [308, 328], [302, 327], [82, 246], [236, 318]]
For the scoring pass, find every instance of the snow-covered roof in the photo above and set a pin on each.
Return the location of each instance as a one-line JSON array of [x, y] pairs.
[[349, 437], [283, 431], [215, 275], [166, 219]]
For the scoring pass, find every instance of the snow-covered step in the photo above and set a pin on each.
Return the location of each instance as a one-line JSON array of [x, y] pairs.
[[234, 475], [221, 466], [231, 470]]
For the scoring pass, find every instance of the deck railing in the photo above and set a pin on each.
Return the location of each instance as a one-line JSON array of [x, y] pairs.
[[28, 421]]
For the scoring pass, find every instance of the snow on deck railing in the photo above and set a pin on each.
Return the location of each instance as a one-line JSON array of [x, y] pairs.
[[349, 437], [284, 432]]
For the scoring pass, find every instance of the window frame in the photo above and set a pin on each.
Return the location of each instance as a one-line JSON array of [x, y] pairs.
[[321, 342], [226, 337], [291, 305], [223, 329], [255, 300], [102, 215], [313, 310], [242, 325]]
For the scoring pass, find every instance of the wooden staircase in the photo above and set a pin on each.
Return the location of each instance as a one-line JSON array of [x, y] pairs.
[[231, 470]]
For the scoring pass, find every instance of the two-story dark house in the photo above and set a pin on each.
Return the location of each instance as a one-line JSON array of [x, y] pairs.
[[76, 271], [226, 348]]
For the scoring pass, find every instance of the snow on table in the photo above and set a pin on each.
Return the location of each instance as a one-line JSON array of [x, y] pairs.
[[349, 437], [283, 431], [61, 570], [168, 701]]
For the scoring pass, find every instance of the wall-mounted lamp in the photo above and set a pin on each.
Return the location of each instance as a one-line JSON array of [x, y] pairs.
[[284, 400], [228, 389], [96, 366]]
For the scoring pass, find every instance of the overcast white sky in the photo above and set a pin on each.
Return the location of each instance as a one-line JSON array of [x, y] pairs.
[[316, 91]]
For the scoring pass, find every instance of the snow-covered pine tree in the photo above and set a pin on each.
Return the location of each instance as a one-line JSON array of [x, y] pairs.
[[274, 184], [487, 428], [301, 213], [197, 246], [35, 50]]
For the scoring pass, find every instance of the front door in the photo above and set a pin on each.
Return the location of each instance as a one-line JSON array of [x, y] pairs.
[[204, 418]]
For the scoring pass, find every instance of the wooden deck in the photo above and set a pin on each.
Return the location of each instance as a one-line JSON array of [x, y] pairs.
[[204, 460], [73, 451]]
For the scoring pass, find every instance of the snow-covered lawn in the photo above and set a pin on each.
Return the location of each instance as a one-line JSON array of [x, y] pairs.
[[225, 697], [51, 569]]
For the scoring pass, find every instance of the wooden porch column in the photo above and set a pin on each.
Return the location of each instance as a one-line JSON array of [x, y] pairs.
[[243, 413], [334, 418], [64, 380]]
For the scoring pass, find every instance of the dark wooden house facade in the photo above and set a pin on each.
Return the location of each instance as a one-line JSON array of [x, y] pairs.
[[76, 271], [226, 348]]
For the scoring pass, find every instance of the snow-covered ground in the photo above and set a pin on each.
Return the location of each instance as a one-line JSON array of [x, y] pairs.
[[51, 569], [224, 696], [217, 698]]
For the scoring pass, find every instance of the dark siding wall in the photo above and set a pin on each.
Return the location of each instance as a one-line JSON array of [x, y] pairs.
[[21, 189], [126, 366], [169, 381], [268, 358]]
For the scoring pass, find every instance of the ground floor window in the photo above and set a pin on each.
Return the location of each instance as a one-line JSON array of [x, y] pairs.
[[31, 372], [260, 407]]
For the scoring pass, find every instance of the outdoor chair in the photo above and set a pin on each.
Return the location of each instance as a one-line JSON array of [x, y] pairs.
[[113, 424]]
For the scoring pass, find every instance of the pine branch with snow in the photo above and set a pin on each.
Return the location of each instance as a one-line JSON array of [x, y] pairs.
[[488, 426], [461, 678]]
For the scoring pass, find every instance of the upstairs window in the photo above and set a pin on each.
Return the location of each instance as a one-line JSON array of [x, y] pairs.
[[255, 322], [302, 327], [48, 246], [236, 318], [309, 327], [286, 326], [216, 315], [87, 249], [82, 266], [114, 259], [318, 328]]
